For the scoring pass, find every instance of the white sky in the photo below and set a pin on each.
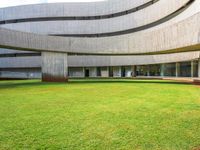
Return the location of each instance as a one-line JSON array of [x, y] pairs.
[[6, 3]]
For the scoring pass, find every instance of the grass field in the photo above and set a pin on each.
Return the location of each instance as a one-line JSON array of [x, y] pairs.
[[99, 114]]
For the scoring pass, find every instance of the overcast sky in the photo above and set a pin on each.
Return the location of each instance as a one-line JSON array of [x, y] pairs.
[[6, 3]]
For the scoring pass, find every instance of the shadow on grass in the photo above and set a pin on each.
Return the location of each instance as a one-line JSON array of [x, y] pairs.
[[25, 83], [38, 83], [133, 81]]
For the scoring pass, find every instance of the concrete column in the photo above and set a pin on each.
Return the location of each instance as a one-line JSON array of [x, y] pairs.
[[128, 71], [93, 72], [162, 70], [83, 72], [133, 70], [177, 69], [117, 72], [104, 71], [199, 68], [54, 67], [192, 68], [148, 71]]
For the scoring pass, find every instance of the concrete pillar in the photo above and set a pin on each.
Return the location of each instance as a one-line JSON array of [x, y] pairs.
[[128, 71], [199, 68], [177, 69], [162, 70], [133, 70], [93, 72], [54, 67], [117, 72], [192, 68], [83, 72], [148, 71], [104, 71]]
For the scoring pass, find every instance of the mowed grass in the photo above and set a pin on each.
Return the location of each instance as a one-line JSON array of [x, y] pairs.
[[99, 115]]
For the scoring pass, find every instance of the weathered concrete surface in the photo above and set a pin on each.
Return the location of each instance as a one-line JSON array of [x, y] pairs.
[[133, 20], [54, 67], [92, 71], [182, 36], [117, 72], [94, 61], [77, 72], [69, 9], [104, 72]]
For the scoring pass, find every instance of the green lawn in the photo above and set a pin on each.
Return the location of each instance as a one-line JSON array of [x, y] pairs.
[[99, 114]]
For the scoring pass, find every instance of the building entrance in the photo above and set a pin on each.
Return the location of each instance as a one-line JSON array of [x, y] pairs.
[[87, 73]]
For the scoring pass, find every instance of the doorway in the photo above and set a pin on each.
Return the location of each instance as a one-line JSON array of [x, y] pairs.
[[87, 73]]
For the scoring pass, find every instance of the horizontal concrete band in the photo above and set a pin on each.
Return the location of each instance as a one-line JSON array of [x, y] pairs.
[[70, 9], [130, 23], [128, 31], [94, 61], [117, 14], [181, 36]]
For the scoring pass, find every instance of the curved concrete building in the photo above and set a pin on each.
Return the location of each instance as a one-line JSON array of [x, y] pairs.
[[112, 38]]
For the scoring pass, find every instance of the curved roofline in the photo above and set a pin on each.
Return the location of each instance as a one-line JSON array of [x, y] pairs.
[[117, 14], [188, 41], [132, 30]]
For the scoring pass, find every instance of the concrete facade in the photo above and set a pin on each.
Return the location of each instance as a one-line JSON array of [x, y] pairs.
[[103, 39], [54, 67]]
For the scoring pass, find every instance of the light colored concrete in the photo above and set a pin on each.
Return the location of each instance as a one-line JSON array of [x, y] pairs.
[[54, 67], [21, 62], [177, 69], [104, 72], [139, 18], [93, 72], [69, 9], [117, 72], [162, 70], [76, 72], [92, 61], [23, 75], [129, 71], [133, 69], [192, 68], [178, 37]]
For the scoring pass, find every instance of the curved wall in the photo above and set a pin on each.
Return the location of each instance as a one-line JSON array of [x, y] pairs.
[[70, 9], [182, 36], [104, 27], [94, 61]]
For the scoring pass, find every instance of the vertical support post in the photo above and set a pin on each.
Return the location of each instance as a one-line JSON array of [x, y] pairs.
[[177, 69], [192, 68], [83, 72], [117, 71], [105, 72], [133, 70], [54, 67], [93, 72], [120, 72], [162, 70], [148, 70]]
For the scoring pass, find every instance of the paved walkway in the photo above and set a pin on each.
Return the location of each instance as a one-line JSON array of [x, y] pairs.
[[181, 79]]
